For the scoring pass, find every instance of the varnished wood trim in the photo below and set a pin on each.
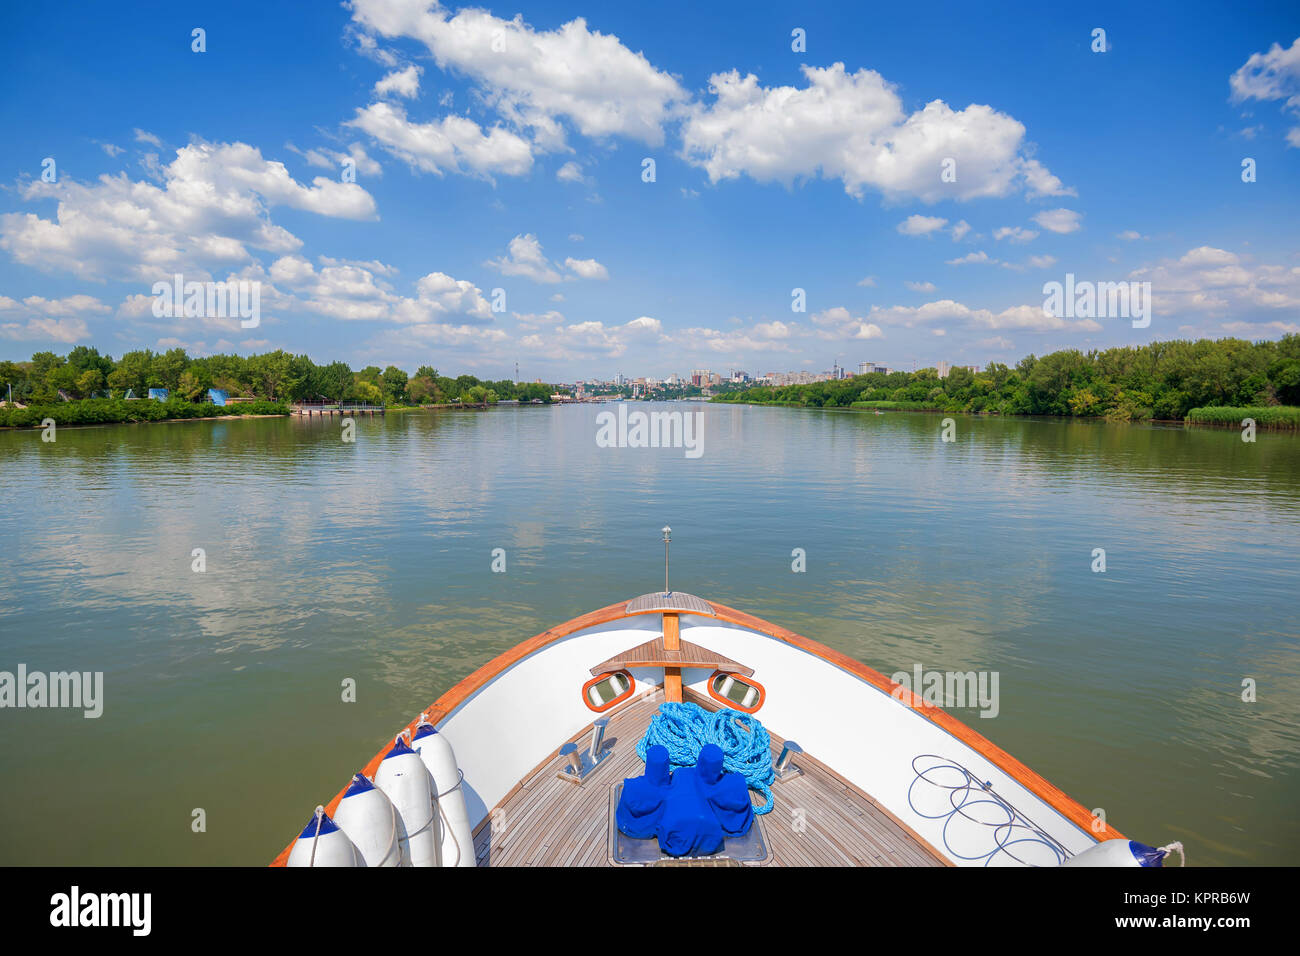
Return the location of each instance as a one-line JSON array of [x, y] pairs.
[[671, 675], [631, 689], [459, 693], [672, 633], [728, 702]]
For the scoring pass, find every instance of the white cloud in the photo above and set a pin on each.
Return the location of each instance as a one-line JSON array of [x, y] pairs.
[[570, 173], [359, 291], [980, 258], [333, 159], [959, 229], [645, 323], [141, 136], [537, 78], [839, 323], [1130, 235], [921, 225], [211, 209], [71, 305], [868, 282], [454, 143], [1058, 220], [1216, 284], [921, 286], [41, 319], [534, 319], [66, 331], [1274, 75], [1028, 318], [1015, 233], [585, 340], [400, 83], [524, 258], [587, 268], [852, 127]]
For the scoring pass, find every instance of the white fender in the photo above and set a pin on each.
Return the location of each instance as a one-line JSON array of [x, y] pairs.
[[322, 843], [1119, 853], [436, 752], [373, 824], [405, 781]]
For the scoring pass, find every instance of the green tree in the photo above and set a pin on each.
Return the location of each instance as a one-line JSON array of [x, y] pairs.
[[394, 385]]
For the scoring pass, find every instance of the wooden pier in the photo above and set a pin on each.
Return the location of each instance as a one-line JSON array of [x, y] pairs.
[[344, 409]]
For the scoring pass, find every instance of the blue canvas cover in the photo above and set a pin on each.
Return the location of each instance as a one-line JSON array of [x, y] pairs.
[[688, 824], [727, 794], [643, 800]]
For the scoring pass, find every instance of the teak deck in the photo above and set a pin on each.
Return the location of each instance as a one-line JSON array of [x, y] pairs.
[[548, 821]]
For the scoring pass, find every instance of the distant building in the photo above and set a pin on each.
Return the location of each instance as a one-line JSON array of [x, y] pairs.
[[217, 396], [158, 394], [872, 368], [943, 368]]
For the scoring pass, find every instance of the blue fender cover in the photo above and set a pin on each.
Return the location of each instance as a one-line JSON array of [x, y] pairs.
[[644, 798], [727, 794], [688, 825]]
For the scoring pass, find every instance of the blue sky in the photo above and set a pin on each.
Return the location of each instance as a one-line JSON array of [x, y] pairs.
[[502, 148]]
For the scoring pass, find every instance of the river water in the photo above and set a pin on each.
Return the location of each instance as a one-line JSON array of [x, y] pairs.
[[372, 560]]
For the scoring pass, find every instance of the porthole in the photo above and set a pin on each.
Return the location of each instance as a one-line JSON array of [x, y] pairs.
[[603, 692], [738, 693]]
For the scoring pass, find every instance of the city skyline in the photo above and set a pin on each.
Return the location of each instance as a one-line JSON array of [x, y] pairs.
[[777, 191]]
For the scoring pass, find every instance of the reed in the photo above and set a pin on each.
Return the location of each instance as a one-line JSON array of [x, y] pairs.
[[1265, 416]]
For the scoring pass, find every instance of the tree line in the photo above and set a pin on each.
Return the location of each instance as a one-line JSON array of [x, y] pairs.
[[272, 376], [1162, 380]]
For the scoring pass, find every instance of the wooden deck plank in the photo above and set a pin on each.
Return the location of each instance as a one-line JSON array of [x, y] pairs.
[[659, 652], [553, 822]]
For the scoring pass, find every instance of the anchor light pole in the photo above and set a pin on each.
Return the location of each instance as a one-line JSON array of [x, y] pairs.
[[668, 533]]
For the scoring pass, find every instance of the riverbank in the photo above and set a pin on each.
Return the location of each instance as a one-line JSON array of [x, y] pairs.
[[108, 411], [1161, 381], [1275, 417]]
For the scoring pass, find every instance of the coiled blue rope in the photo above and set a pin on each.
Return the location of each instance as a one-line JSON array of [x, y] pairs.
[[684, 729]]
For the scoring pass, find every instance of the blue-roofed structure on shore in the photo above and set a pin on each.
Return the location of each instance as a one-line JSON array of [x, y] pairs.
[[217, 396], [158, 394]]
